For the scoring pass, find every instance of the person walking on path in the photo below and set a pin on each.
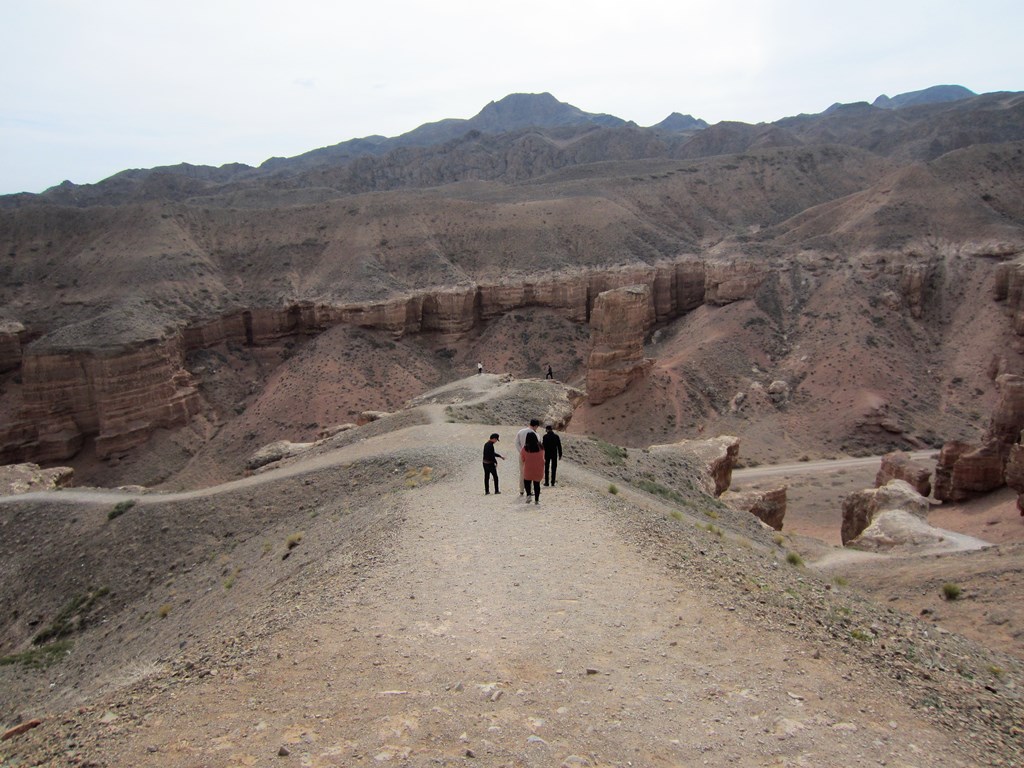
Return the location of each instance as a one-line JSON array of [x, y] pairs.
[[479, 368], [550, 374], [552, 453], [520, 444], [533, 466], [491, 465]]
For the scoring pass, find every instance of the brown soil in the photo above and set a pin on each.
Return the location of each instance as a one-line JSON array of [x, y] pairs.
[[368, 604]]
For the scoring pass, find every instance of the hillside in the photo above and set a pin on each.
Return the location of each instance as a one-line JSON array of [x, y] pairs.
[[368, 602], [825, 288]]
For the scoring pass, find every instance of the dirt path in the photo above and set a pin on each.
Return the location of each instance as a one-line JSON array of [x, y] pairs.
[[818, 467], [522, 635]]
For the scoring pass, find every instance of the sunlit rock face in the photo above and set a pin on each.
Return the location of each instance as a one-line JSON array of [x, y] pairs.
[[620, 320]]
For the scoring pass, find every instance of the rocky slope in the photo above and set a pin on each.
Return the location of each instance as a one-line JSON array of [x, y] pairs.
[[825, 282], [364, 602]]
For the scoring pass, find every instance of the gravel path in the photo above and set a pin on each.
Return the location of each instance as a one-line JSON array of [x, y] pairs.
[[519, 635]]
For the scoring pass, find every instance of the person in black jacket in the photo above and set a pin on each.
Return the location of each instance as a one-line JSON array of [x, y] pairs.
[[491, 465], [552, 453]]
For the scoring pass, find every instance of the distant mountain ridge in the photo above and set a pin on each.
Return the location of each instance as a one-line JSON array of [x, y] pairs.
[[509, 117], [937, 94]]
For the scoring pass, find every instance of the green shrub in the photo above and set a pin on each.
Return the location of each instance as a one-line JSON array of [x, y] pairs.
[[39, 658], [70, 618], [613, 489], [120, 508], [614, 453], [951, 591], [793, 558]]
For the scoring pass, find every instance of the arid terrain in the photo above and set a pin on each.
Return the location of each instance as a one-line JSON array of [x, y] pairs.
[[366, 603], [274, 547]]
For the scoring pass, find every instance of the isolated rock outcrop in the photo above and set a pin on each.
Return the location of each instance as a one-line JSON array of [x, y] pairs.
[[12, 334], [716, 456], [268, 454], [619, 323], [1014, 473], [119, 396], [899, 465], [733, 280], [768, 506], [25, 478], [883, 517], [966, 470]]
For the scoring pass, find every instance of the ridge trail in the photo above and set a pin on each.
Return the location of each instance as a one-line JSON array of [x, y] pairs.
[[525, 635]]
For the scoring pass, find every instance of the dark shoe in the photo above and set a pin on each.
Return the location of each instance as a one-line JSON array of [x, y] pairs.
[[487, 493], [536, 501], [497, 493], [545, 485]]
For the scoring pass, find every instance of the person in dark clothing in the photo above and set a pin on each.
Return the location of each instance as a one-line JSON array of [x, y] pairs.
[[550, 374], [491, 465], [552, 453]]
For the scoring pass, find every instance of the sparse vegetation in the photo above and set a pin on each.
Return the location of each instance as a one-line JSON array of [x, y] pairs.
[[39, 658], [71, 618], [416, 477], [614, 453], [660, 490], [120, 508], [613, 489], [293, 541], [951, 591], [860, 635], [712, 529], [165, 610], [793, 558]]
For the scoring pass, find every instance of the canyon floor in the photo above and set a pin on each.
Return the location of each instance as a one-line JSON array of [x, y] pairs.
[[367, 604]]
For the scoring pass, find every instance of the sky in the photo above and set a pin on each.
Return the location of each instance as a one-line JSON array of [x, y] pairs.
[[89, 88]]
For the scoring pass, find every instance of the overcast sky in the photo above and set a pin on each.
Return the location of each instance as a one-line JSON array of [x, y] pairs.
[[92, 87]]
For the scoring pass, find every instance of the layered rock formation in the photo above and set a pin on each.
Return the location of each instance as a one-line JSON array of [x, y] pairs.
[[1014, 473], [768, 506], [873, 518], [25, 478], [618, 326], [899, 465], [119, 398], [12, 336], [119, 389], [715, 456], [966, 470]]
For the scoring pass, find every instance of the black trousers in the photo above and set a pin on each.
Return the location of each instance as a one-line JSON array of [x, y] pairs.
[[550, 469], [490, 470]]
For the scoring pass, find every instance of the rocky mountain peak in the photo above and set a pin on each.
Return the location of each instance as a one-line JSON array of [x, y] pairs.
[[680, 122], [937, 94], [534, 110]]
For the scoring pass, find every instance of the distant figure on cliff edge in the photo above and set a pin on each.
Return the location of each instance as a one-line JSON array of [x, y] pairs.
[[550, 374], [533, 466], [520, 444], [552, 453], [490, 465], [479, 368]]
